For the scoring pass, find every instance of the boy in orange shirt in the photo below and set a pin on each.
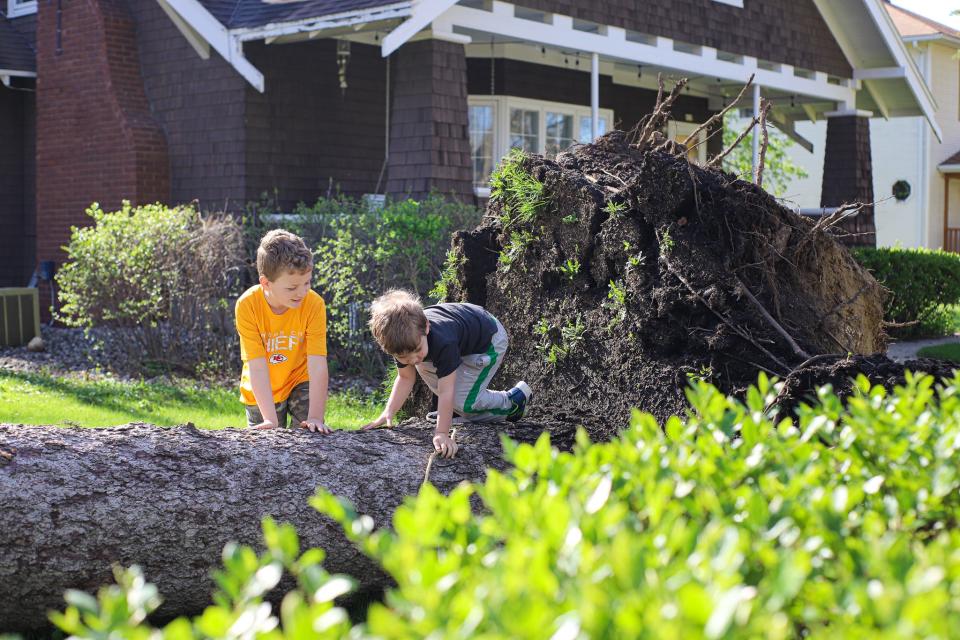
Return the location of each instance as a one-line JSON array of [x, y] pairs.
[[282, 324]]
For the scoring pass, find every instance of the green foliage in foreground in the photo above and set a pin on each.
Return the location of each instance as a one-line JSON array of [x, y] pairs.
[[41, 398], [841, 523], [924, 287]]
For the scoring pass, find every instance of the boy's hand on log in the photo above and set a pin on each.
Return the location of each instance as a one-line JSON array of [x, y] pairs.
[[314, 425], [266, 424], [445, 445], [383, 421]]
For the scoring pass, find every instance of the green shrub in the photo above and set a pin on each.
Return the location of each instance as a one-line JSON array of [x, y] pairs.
[[732, 523], [404, 245], [839, 524], [167, 275], [923, 284]]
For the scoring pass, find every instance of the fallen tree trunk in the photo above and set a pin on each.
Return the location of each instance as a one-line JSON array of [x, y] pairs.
[[74, 501]]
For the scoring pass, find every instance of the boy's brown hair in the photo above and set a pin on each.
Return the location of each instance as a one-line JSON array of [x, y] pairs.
[[281, 251], [397, 322]]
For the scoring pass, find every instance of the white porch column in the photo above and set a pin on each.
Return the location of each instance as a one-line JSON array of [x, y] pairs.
[[756, 129], [594, 95]]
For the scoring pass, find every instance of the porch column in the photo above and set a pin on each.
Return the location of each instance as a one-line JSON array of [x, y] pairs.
[[594, 96], [429, 142], [756, 131], [848, 173]]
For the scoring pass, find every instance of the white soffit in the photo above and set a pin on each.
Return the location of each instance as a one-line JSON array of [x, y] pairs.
[[619, 45], [891, 82]]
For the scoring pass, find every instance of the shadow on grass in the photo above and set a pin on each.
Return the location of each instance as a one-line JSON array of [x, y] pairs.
[[137, 400]]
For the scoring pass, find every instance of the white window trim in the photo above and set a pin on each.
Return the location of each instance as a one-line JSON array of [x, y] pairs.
[[16, 9], [501, 118], [677, 128], [732, 3]]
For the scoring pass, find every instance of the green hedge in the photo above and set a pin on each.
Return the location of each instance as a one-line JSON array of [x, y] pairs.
[[732, 523], [922, 282]]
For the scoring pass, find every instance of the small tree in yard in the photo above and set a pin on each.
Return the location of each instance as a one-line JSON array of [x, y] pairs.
[[778, 171]]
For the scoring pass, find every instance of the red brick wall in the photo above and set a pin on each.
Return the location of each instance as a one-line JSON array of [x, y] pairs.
[[429, 146], [96, 138]]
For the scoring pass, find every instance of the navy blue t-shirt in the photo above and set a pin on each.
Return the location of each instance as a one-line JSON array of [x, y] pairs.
[[456, 328]]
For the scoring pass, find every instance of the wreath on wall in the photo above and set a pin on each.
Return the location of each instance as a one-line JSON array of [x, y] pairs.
[[901, 190]]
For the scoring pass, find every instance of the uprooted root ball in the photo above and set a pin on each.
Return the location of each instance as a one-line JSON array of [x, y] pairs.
[[622, 270]]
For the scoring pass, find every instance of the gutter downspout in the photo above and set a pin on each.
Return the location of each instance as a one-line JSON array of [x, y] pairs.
[[925, 160]]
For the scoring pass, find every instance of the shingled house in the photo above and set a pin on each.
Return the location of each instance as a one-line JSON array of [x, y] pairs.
[[222, 100]]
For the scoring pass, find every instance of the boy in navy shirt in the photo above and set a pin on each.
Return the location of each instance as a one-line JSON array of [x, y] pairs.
[[456, 348]]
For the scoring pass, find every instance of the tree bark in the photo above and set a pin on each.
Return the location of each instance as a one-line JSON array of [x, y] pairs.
[[75, 501]]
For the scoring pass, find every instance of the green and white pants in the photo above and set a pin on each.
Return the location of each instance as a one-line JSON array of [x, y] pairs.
[[471, 398]]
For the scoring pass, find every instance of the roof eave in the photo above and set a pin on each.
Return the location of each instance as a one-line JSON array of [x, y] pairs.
[[919, 88], [321, 23], [953, 41]]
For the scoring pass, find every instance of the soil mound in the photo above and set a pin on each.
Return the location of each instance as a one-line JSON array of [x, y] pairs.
[[621, 270]]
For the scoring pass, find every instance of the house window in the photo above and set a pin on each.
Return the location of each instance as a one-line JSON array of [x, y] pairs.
[[481, 140], [21, 7], [525, 129], [586, 123], [696, 146], [500, 123]]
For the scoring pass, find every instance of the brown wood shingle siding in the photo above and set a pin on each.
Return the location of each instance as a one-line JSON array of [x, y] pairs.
[[848, 175], [199, 104], [786, 31], [304, 137], [429, 147]]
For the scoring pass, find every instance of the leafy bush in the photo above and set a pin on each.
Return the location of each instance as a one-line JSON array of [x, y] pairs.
[[369, 251], [841, 523], [923, 284], [165, 276]]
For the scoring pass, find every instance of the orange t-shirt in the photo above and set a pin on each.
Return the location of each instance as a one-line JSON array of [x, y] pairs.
[[285, 340]]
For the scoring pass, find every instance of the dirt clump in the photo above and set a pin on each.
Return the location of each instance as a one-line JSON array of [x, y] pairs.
[[621, 270]]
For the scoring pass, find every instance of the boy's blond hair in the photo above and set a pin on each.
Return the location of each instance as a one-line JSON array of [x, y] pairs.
[[397, 322], [281, 251]]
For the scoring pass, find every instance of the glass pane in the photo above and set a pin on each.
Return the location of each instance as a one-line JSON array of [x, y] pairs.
[[525, 130], [585, 122], [559, 132], [481, 143]]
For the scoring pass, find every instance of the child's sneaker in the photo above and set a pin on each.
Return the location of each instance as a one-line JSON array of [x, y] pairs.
[[519, 396]]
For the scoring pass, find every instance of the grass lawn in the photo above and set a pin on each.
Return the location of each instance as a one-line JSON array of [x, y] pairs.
[[950, 351], [39, 398]]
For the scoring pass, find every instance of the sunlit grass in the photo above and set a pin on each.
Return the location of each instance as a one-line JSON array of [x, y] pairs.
[[949, 351], [40, 398]]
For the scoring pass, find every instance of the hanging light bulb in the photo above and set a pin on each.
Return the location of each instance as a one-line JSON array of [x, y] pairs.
[[343, 57]]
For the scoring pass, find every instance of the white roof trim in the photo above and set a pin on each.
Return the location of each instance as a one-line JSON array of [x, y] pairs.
[[899, 50], [332, 21], [612, 43], [934, 37], [949, 168], [210, 29], [202, 30], [16, 73], [424, 12]]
